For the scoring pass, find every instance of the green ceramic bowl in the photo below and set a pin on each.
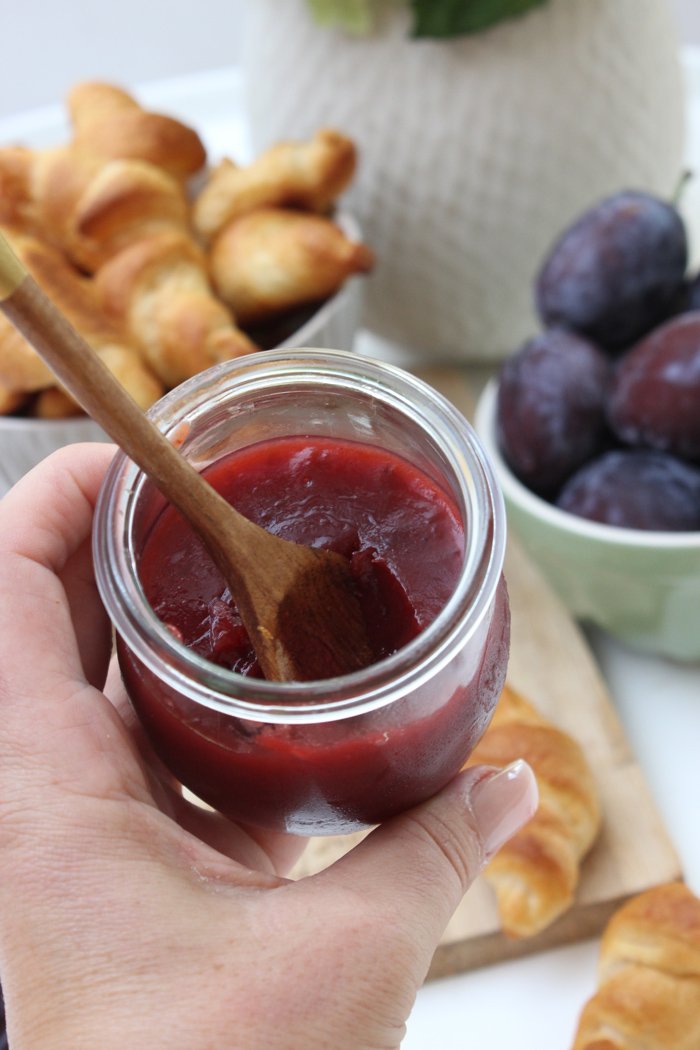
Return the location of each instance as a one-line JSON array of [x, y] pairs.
[[643, 587]]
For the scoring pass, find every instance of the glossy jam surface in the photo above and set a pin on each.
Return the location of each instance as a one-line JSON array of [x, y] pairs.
[[400, 532], [406, 543]]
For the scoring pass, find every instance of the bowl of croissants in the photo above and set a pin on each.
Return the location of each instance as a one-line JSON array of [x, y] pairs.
[[167, 264]]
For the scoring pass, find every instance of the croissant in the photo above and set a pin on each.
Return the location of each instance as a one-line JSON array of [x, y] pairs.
[[308, 175], [55, 403], [275, 259], [536, 873], [22, 371], [125, 365], [86, 206], [10, 401], [126, 201], [15, 185], [648, 996], [158, 291], [110, 124], [21, 368], [39, 189]]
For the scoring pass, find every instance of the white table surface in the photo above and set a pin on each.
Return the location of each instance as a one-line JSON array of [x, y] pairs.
[[532, 1003]]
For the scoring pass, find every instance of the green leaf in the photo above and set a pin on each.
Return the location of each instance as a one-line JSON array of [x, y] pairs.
[[447, 18], [354, 16]]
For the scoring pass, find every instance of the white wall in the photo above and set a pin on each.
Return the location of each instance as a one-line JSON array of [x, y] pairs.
[[47, 45], [688, 15]]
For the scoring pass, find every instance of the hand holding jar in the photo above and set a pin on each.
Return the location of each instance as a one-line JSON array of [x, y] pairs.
[[331, 449], [131, 917]]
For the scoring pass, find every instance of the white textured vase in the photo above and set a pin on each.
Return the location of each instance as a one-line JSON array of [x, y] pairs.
[[474, 153]]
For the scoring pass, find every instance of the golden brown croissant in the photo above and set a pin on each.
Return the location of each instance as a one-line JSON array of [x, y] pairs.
[[308, 175], [54, 403], [275, 259], [158, 290], [110, 124], [119, 179], [21, 369], [15, 185], [536, 873], [10, 401], [125, 365], [89, 207], [648, 996], [126, 201]]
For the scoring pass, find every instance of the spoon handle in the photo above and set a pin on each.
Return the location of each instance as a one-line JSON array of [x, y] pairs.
[[106, 401], [294, 601]]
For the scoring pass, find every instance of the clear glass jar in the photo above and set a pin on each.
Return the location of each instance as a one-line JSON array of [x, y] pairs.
[[331, 756]]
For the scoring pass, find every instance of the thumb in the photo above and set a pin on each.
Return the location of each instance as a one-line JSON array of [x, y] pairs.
[[416, 867]]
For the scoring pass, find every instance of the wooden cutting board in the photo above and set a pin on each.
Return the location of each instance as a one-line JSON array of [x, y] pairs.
[[553, 666]]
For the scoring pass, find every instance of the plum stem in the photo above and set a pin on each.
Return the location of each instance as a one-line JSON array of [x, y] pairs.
[[685, 177]]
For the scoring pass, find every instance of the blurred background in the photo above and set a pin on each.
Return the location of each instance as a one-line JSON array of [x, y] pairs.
[[52, 46]]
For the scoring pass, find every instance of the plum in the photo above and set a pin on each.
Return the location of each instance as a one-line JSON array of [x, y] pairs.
[[655, 395], [551, 408], [636, 489], [617, 271]]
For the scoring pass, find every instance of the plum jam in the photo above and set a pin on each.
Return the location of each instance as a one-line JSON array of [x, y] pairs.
[[401, 534], [332, 450]]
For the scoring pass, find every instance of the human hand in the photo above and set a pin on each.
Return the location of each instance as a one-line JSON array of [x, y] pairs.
[[131, 917]]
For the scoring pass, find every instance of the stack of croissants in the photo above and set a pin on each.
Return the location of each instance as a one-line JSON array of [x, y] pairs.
[[648, 995], [164, 266]]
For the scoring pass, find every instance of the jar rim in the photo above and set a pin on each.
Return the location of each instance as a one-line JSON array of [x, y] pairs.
[[379, 684]]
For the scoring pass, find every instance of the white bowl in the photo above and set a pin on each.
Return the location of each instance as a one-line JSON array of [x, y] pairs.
[[642, 586], [24, 442]]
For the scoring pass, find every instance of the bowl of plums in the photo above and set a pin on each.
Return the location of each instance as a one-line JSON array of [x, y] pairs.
[[593, 425], [167, 261]]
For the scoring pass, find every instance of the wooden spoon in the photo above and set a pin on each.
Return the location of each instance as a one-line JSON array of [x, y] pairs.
[[297, 603]]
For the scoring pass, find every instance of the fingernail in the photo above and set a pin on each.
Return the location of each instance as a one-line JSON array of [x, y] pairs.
[[501, 803]]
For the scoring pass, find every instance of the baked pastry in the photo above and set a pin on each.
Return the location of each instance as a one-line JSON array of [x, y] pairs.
[[648, 996], [54, 403], [536, 873], [10, 401], [307, 175], [110, 124], [22, 371], [15, 186], [113, 203], [89, 207], [125, 365], [158, 291], [125, 201], [21, 368], [275, 259], [120, 178]]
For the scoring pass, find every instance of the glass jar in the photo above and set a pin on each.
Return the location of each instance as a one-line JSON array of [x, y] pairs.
[[322, 757]]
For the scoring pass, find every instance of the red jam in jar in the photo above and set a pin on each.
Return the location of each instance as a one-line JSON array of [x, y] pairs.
[[423, 530], [401, 534]]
